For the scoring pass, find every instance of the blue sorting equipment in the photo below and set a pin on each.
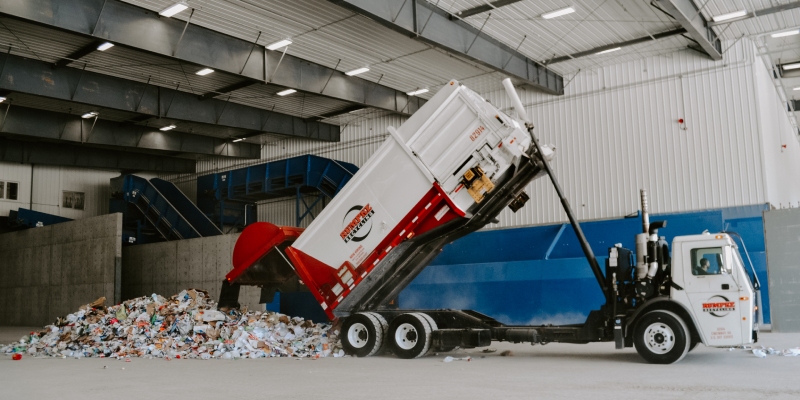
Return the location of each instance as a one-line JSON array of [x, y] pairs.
[[190, 212], [25, 218], [166, 209], [228, 197]]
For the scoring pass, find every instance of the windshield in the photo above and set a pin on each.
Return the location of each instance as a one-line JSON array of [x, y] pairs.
[[751, 273], [750, 279]]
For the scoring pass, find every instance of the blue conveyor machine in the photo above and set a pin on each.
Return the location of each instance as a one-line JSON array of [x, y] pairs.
[[156, 210], [228, 198]]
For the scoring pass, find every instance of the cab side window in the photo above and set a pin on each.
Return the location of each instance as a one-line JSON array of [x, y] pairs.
[[707, 261]]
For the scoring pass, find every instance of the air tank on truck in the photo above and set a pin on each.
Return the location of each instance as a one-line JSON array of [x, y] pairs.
[[449, 170]]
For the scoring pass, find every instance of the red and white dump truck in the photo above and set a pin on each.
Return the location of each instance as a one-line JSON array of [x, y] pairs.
[[448, 171]]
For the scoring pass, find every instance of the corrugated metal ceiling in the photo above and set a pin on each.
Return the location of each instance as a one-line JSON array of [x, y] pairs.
[[329, 35]]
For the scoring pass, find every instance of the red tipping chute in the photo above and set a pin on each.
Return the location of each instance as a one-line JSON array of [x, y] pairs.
[[255, 244]]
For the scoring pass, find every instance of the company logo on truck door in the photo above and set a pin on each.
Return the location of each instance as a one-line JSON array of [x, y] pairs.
[[359, 225], [719, 306]]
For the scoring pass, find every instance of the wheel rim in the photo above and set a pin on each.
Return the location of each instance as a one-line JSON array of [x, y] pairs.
[[357, 335], [406, 336], [659, 338]]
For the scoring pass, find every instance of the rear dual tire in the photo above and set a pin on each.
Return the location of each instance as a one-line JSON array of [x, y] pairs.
[[410, 335], [363, 334]]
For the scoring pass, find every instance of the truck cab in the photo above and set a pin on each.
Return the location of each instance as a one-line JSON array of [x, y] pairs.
[[711, 283]]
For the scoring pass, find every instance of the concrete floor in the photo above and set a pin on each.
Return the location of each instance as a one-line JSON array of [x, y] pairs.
[[554, 371]]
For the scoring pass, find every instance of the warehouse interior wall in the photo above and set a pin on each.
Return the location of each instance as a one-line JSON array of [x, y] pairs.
[[782, 232], [779, 141], [50, 271], [49, 184], [167, 268], [680, 125]]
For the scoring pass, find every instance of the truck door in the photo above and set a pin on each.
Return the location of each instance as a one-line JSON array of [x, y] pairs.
[[714, 295]]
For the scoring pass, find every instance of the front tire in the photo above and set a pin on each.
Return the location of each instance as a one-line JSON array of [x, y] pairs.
[[362, 335], [661, 337]]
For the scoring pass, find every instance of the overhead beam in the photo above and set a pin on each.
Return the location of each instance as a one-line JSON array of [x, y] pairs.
[[41, 124], [230, 88], [689, 17], [626, 43], [66, 155], [39, 78], [485, 7], [759, 13], [128, 25], [78, 54], [425, 22]]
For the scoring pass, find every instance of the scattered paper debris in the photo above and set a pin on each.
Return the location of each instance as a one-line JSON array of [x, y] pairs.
[[451, 359], [488, 350], [187, 325], [759, 353], [507, 353]]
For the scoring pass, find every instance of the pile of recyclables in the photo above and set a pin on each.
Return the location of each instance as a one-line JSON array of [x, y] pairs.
[[187, 325]]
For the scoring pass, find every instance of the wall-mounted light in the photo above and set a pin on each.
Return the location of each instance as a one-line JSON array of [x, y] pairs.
[[416, 92], [168, 128], [173, 9], [237, 140], [90, 114], [286, 92], [204, 71], [105, 46]]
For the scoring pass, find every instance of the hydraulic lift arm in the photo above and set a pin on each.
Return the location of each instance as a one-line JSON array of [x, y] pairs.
[[587, 249]]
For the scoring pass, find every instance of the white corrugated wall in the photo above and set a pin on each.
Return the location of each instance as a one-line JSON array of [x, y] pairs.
[[617, 130], [781, 164], [48, 185]]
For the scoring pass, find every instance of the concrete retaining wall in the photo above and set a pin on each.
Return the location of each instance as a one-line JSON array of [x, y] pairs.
[[51, 271], [169, 267]]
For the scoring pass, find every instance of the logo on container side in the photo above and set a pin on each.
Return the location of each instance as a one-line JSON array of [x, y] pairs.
[[360, 222]]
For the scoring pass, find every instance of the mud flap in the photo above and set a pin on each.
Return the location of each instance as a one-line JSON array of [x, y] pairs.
[[229, 295]]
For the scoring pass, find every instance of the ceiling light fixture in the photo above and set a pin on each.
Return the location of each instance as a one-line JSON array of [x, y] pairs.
[[608, 51], [796, 88], [90, 114], [105, 46], [2, 99], [416, 92], [357, 71], [791, 66], [204, 71], [279, 44], [558, 13], [286, 92], [725, 17], [173, 9], [787, 33], [168, 128], [237, 140]]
